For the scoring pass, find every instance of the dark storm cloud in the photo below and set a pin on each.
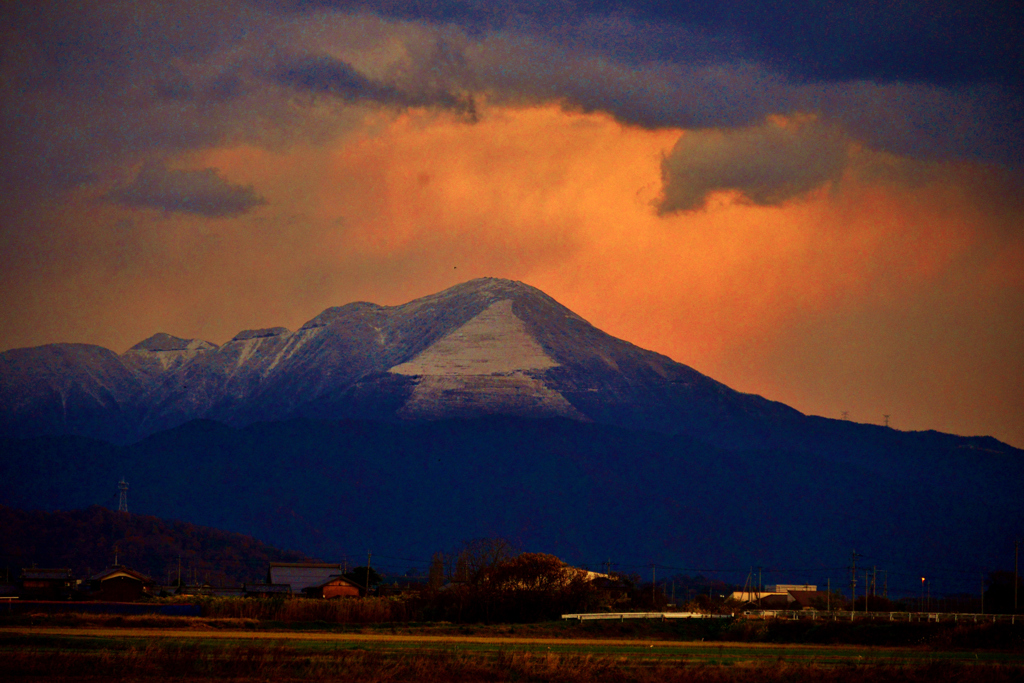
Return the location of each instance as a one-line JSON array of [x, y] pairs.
[[903, 79], [942, 42], [330, 76], [95, 46], [202, 192], [87, 87], [767, 165]]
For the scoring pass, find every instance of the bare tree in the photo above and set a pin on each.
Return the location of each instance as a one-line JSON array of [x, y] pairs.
[[478, 555], [436, 579]]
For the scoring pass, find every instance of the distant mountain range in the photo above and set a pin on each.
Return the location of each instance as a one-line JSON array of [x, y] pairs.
[[490, 409], [486, 347]]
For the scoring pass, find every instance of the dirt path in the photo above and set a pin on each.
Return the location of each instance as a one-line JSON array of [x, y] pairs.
[[592, 645], [216, 634]]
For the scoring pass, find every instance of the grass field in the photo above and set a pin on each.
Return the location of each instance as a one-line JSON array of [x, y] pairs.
[[200, 650]]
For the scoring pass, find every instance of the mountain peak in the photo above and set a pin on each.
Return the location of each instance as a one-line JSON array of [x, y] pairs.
[[490, 288], [161, 341], [491, 284], [260, 334], [163, 352], [488, 346]]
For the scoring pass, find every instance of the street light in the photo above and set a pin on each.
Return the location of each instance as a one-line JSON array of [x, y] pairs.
[[922, 594]]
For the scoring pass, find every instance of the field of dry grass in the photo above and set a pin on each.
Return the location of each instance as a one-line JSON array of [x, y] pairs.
[[38, 659], [346, 640], [200, 650]]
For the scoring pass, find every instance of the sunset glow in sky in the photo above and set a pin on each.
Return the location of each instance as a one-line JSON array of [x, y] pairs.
[[821, 206]]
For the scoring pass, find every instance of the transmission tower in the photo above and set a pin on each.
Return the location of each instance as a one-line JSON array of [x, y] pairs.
[[886, 420], [122, 498]]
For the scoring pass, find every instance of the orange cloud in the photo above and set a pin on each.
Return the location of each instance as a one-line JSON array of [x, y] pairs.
[[796, 301]]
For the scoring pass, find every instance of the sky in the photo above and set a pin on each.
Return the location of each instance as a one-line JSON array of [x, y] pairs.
[[821, 203]]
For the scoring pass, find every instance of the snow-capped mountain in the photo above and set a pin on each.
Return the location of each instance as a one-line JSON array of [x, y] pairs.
[[359, 415], [485, 347]]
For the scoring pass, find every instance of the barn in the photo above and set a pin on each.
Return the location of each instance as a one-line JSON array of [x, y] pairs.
[[120, 584], [303, 575], [335, 587], [46, 584]]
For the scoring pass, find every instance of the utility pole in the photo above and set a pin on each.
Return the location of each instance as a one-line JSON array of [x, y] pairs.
[[368, 555], [1016, 553], [759, 587], [654, 589], [853, 580], [982, 592]]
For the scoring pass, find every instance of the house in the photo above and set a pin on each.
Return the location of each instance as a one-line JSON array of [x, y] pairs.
[[302, 575], [334, 587], [266, 590], [46, 584], [751, 596], [812, 599], [772, 601], [782, 596], [120, 584]]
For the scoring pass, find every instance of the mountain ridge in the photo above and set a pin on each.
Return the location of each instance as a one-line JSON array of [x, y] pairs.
[[486, 346], [89, 539], [489, 409]]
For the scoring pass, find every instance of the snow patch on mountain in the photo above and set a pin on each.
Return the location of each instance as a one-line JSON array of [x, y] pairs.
[[483, 367], [494, 342], [295, 341], [442, 396]]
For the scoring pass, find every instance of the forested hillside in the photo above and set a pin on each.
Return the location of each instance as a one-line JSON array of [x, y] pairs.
[[90, 540]]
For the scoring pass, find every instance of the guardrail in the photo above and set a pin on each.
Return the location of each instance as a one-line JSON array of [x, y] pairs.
[[621, 616], [796, 615]]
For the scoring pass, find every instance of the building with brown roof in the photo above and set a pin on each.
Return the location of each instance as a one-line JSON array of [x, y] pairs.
[[812, 599], [335, 587], [266, 590], [120, 584], [302, 575], [46, 583]]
